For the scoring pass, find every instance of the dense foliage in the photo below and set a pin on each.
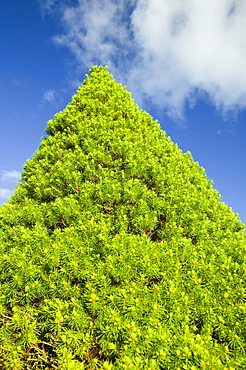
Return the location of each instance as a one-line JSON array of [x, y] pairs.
[[116, 252]]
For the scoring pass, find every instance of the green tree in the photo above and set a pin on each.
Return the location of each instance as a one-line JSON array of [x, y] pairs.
[[116, 252]]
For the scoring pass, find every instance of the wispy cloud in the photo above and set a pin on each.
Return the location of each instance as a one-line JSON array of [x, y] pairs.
[[8, 181], [171, 52], [98, 32], [16, 82], [5, 193], [9, 176], [49, 96], [46, 6], [227, 132]]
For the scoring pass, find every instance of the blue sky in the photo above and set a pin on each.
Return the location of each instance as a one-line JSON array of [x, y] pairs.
[[183, 60]]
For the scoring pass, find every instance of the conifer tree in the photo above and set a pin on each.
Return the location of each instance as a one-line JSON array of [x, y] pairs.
[[116, 251]]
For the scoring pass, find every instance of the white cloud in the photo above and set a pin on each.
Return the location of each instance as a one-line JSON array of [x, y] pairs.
[[49, 96], [9, 179], [16, 82], [5, 193], [46, 6], [169, 51], [9, 176], [97, 31]]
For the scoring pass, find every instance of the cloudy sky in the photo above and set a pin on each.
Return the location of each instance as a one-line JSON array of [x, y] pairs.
[[183, 60]]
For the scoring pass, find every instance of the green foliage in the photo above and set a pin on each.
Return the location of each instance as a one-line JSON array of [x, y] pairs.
[[116, 252]]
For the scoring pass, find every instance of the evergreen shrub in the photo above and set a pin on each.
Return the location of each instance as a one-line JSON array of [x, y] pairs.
[[116, 251]]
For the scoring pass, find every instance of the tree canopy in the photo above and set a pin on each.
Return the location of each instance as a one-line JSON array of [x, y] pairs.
[[116, 251]]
